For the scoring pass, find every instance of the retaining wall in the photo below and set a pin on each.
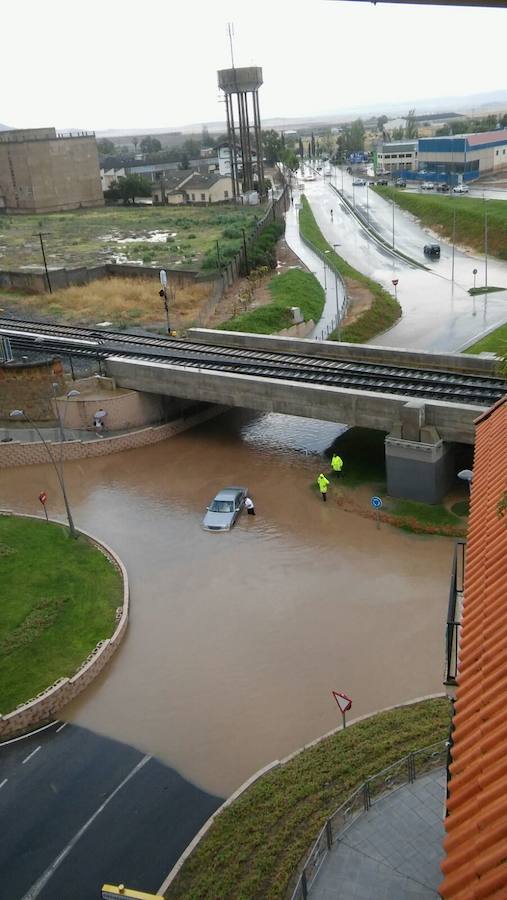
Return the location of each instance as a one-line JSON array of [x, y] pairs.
[[28, 453], [46, 704]]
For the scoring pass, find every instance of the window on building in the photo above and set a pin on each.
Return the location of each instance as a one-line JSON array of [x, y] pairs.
[[503, 151], [496, 153], [193, 198], [203, 198], [226, 193]]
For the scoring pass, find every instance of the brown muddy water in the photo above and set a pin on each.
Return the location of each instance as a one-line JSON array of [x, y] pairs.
[[237, 640]]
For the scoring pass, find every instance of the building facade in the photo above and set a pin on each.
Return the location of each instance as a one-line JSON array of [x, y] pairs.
[[463, 157], [395, 156], [42, 171]]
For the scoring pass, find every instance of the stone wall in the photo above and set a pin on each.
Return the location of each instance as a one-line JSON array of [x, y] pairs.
[[46, 704], [16, 453], [28, 386]]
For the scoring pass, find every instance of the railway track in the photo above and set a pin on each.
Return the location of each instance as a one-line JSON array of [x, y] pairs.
[[450, 387]]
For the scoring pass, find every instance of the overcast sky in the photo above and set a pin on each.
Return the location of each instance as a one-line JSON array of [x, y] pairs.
[[152, 64]]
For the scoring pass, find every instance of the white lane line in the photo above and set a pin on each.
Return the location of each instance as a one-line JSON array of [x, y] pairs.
[[61, 727], [37, 887], [3, 782], [31, 754], [23, 737]]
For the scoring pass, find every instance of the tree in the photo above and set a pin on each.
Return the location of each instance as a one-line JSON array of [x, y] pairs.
[[128, 188], [312, 143], [150, 145], [411, 126], [184, 161], [272, 146], [300, 149], [105, 147], [356, 135], [381, 121], [289, 159], [398, 134], [206, 139]]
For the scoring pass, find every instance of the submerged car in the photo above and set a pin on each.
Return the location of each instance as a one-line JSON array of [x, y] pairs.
[[223, 511], [432, 250]]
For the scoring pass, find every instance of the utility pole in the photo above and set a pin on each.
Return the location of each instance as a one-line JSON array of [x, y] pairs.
[[393, 224], [247, 267], [42, 234], [453, 242]]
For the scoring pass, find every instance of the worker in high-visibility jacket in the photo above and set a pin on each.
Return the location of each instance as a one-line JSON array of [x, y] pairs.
[[323, 484], [336, 464]]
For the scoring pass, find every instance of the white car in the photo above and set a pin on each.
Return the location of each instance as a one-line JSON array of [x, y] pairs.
[[460, 189], [427, 186], [359, 182]]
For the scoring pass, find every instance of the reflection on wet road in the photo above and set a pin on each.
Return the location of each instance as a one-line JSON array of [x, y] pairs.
[[236, 640]]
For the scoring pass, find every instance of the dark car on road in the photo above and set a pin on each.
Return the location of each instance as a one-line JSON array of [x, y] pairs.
[[381, 181], [432, 250], [443, 188]]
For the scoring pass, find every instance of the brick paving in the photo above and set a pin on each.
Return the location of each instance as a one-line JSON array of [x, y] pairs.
[[393, 851]]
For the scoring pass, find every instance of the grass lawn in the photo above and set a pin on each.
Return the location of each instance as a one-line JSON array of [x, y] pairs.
[[436, 212], [125, 302], [494, 342], [293, 288], [254, 847], [152, 235], [384, 310], [59, 598]]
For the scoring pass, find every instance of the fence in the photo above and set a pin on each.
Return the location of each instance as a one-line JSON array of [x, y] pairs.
[[404, 771], [454, 613], [344, 305]]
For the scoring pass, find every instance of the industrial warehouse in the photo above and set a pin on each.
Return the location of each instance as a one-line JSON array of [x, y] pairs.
[[455, 159]]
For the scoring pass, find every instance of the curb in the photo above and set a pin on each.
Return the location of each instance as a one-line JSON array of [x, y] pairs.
[[274, 765], [39, 709]]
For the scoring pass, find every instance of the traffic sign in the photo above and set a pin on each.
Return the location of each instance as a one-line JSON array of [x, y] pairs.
[[344, 702], [376, 502], [43, 497], [395, 281]]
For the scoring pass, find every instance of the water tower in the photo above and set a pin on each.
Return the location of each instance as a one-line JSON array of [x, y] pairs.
[[241, 89]]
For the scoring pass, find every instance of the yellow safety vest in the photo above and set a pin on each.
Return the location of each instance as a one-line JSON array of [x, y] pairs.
[[323, 483], [336, 463]]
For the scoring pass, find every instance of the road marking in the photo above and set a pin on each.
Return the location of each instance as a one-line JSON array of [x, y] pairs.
[[23, 737], [37, 887], [31, 754], [3, 782], [61, 727]]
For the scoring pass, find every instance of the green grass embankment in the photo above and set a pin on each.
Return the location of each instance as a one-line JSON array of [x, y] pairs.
[[494, 342], [436, 212], [59, 598], [384, 310], [293, 288], [254, 846]]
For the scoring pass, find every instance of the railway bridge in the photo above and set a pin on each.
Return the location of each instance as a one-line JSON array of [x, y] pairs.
[[425, 403]]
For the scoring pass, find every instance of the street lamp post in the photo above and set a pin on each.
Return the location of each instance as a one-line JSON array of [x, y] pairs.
[[393, 224], [338, 312], [21, 414], [474, 273], [485, 243], [453, 243]]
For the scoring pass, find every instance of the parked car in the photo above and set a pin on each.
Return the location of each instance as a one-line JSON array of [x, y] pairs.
[[359, 182], [460, 189], [432, 250], [443, 187], [382, 181], [400, 183], [427, 186], [224, 509]]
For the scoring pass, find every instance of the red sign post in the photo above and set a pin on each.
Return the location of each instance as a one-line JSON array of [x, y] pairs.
[[395, 283], [344, 703], [43, 499]]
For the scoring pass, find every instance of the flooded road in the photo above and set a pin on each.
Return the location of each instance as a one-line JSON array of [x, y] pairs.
[[237, 640]]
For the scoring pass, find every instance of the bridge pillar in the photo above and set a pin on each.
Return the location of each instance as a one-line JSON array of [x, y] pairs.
[[419, 464]]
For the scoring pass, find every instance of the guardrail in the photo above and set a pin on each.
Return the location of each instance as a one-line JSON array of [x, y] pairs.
[[343, 307], [454, 613], [404, 771]]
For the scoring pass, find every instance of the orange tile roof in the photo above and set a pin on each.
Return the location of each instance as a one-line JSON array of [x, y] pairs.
[[476, 824]]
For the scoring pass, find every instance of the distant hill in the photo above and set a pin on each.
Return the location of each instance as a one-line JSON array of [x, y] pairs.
[[5, 127]]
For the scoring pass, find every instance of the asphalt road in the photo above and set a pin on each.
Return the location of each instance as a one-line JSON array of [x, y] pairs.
[[78, 810], [437, 314]]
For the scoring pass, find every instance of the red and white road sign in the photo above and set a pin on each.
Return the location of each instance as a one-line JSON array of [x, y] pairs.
[[43, 497], [344, 702], [395, 281]]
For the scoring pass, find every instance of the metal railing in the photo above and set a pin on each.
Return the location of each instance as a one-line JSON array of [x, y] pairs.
[[454, 613], [404, 771]]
